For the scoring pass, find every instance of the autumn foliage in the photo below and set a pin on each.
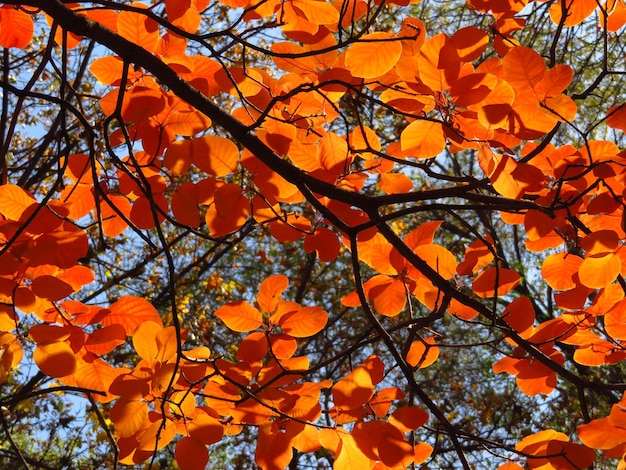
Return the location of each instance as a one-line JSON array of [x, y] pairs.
[[319, 125]]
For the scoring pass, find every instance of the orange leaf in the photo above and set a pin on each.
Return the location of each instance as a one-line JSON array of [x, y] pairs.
[[144, 340], [11, 354], [438, 63], [105, 339], [14, 201], [348, 454], [558, 270], [128, 416], [283, 346], [273, 449], [470, 43], [253, 347], [51, 288], [423, 139], [395, 183], [599, 272], [16, 27], [185, 205], [601, 434], [354, 390], [270, 292], [130, 312], [388, 295], [215, 155], [94, 374], [324, 242], [304, 322], [422, 452], [158, 435], [112, 224], [206, 429], [408, 418], [55, 359], [520, 315], [477, 256], [422, 235], [191, 454], [379, 440], [49, 334], [333, 154], [423, 353], [495, 279], [616, 117], [229, 211], [576, 11], [373, 56], [523, 68], [438, 258], [240, 316], [615, 321], [138, 28], [108, 70]]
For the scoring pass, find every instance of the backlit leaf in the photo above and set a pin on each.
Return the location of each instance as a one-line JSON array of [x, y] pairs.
[[14, 201], [138, 28], [304, 322], [559, 269], [21, 29], [105, 339], [130, 312], [128, 416], [354, 389], [191, 454], [144, 340], [423, 139], [599, 272], [270, 292], [494, 280], [408, 418], [601, 434], [523, 68], [423, 353], [374, 55], [55, 359], [240, 316]]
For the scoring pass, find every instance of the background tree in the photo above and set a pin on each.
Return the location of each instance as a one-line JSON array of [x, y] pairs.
[[351, 233]]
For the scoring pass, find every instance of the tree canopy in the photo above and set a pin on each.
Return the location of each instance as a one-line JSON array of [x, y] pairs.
[[341, 234]]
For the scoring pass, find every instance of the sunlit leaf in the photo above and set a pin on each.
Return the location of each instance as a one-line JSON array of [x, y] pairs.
[[423, 352], [240, 316], [373, 55], [191, 454], [130, 312], [408, 418], [138, 28], [21, 29], [304, 322], [55, 359], [354, 389], [599, 272], [558, 270], [14, 201], [495, 280], [270, 292], [128, 416], [423, 139]]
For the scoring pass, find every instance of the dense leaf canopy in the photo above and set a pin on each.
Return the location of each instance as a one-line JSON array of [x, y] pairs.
[[342, 234]]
